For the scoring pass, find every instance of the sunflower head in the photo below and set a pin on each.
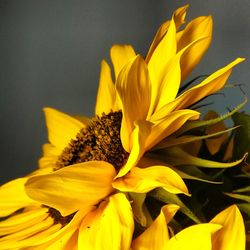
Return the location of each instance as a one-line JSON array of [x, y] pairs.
[[99, 141]]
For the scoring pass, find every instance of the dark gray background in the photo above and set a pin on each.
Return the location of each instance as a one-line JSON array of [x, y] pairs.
[[50, 53]]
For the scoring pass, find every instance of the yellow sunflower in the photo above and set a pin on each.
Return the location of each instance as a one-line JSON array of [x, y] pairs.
[[224, 232], [88, 162]]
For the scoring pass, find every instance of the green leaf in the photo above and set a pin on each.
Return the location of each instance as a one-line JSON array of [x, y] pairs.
[[169, 198], [169, 142], [239, 196], [203, 123], [194, 173], [245, 207], [242, 190], [177, 157], [242, 135]]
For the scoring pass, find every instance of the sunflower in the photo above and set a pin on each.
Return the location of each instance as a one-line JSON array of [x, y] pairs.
[[91, 175], [224, 232]]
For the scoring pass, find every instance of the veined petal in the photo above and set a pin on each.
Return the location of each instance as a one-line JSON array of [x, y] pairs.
[[143, 180], [8, 241], [232, 235], [133, 87], [179, 18], [199, 27], [105, 100], [138, 140], [168, 125], [22, 221], [62, 128], [110, 226], [195, 237], [121, 55], [156, 236], [160, 60], [13, 197], [74, 187], [54, 237], [210, 85]]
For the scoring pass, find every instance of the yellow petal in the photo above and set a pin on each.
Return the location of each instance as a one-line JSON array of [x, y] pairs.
[[143, 180], [199, 27], [22, 221], [105, 100], [50, 156], [121, 55], [232, 235], [48, 162], [170, 84], [179, 18], [62, 128], [133, 87], [13, 197], [108, 227], [168, 125], [160, 60], [210, 85], [74, 187], [25, 244], [50, 150], [156, 236], [138, 140], [54, 237], [19, 236], [168, 88], [195, 237], [67, 241]]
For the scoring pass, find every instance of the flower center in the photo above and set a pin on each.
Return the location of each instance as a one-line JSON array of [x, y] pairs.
[[99, 141]]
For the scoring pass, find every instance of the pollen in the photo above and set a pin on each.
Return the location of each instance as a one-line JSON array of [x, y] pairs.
[[99, 141]]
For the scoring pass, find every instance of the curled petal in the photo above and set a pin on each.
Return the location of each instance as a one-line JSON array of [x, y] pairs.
[[133, 87], [232, 234], [74, 187], [199, 27], [143, 180], [179, 18], [138, 138]]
